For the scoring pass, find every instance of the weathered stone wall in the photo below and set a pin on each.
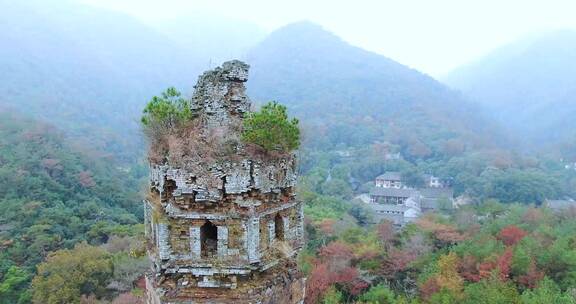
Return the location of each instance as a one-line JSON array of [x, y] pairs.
[[279, 287], [218, 179], [228, 228]]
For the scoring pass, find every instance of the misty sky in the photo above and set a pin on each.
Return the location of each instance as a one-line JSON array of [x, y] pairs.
[[433, 36]]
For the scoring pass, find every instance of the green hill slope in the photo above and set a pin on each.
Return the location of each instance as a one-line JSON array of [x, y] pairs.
[[352, 97], [53, 197]]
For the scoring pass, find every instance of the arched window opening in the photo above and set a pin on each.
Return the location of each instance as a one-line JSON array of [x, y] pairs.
[[279, 227], [209, 239]]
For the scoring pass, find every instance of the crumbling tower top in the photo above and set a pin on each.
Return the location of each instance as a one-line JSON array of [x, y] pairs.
[[220, 95]]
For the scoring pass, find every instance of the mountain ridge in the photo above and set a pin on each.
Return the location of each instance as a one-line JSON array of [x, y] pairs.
[[528, 85], [318, 75]]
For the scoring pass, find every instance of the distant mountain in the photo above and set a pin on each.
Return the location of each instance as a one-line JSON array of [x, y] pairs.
[[87, 70], [90, 72], [530, 86], [355, 97]]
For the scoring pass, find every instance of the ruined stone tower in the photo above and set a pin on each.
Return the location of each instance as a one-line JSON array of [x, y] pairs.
[[222, 221]]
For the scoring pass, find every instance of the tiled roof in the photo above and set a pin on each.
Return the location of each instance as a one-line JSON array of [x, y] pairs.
[[389, 207], [393, 192], [437, 192], [560, 204], [390, 175]]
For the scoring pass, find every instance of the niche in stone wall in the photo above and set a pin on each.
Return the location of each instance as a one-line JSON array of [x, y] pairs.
[[235, 234], [180, 237], [279, 227], [209, 239], [169, 187], [264, 236]]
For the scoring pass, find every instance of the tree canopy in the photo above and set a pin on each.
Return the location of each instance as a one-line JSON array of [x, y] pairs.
[[271, 129], [167, 110]]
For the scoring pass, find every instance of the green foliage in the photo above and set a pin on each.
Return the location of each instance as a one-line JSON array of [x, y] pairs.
[[379, 294], [68, 274], [13, 286], [521, 259], [325, 207], [491, 291], [304, 261], [528, 186], [271, 129], [53, 197], [444, 296], [560, 261], [337, 187], [333, 296], [547, 292], [167, 110]]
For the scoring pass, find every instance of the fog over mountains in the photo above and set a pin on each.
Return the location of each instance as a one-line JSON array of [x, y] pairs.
[[90, 71], [529, 86], [87, 70]]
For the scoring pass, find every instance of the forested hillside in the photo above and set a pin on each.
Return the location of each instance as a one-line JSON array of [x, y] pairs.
[[52, 198], [528, 86], [351, 97]]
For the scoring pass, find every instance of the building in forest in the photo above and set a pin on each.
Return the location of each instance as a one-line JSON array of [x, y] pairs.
[[394, 196], [390, 180], [222, 221], [561, 205], [393, 200]]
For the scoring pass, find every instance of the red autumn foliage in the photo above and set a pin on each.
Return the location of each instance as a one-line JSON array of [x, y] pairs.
[[358, 286], [85, 179], [485, 269], [333, 268], [429, 288], [346, 275], [444, 233], [511, 235], [336, 249], [368, 255], [317, 284], [396, 261], [322, 277], [327, 226], [385, 232], [337, 255], [504, 263], [51, 163], [449, 235], [468, 268]]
